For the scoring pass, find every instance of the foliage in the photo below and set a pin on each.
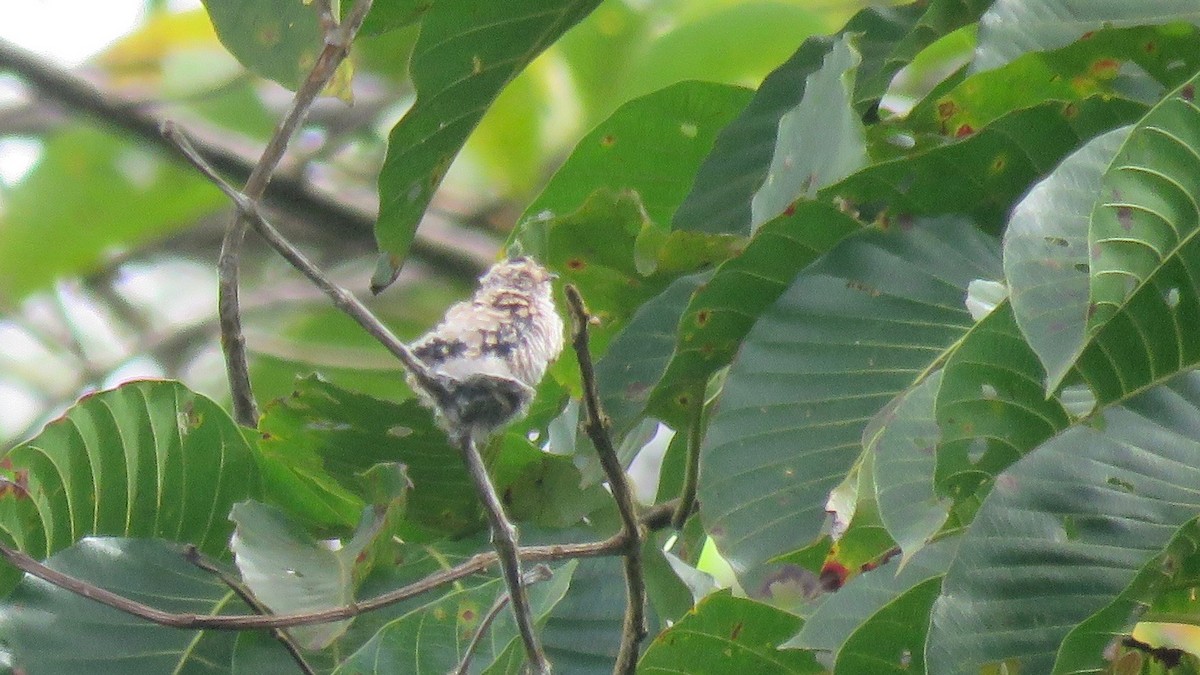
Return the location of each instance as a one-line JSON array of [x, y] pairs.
[[927, 323]]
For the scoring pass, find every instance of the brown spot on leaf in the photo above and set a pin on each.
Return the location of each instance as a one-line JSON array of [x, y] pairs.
[[683, 400], [1070, 111], [999, 163], [1150, 47], [1105, 67], [790, 210], [1125, 218], [946, 109], [608, 140], [1188, 93], [833, 575], [737, 630], [703, 316], [964, 130], [575, 264], [865, 288]]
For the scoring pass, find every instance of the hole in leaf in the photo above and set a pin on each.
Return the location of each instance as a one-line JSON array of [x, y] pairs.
[[976, 449], [1172, 298]]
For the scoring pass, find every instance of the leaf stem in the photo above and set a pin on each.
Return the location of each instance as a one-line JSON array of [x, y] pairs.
[[691, 472]]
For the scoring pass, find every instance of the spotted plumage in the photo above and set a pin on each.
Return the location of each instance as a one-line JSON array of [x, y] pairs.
[[494, 348]]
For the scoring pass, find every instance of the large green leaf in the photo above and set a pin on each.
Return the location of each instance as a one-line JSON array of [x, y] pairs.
[[985, 170], [903, 438], [873, 622], [467, 52], [317, 442], [725, 183], [1046, 256], [651, 145], [820, 141], [276, 39], [1133, 62], [50, 630], [289, 571], [147, 459], [863, 323], [432, 638], [1146, 224], [724, 634], [1010, 28], [721, 312], [1065, 532], [96, 194]]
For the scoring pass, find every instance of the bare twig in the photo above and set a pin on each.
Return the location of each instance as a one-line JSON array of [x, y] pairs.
[[634, 629], [504, 540], [530, 577], [194, 556], [691, 473], [341, 298], [233, 342]]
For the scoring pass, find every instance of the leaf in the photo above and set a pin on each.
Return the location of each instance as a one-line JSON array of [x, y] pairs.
[[651, 146], [147, 459], [986, 170], [638, 356], [276, 39], [903, 437], [863, 323], [724, 634], [858, 625], [291, 572], [142, 196], [1147, 219], [1065, 532], [1046, 256], [719, 200], [721, 312], [1116, 62], [467, 52], [1012, 27], [389, 15], [432, 637], [50, 630], [320, 439], [820, 141]]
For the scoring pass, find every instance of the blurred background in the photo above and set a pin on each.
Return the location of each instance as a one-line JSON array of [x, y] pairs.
[[108, 244]]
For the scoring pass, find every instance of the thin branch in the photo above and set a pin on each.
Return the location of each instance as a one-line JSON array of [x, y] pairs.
[[194, 556], [504, 540], [438, 242], [691, 472], [633, 629], [342, 299], [530, 577], [233, 342], [473, 565]]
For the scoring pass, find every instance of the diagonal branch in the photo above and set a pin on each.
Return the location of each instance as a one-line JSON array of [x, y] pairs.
[[233, 342], [634, 629]]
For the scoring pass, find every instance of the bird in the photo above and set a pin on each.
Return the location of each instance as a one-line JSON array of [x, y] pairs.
[[491, 352]]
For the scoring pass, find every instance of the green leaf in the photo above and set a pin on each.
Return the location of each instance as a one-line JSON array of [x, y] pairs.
[[1112, 62], [388, 15], [50, 630], [142, 196], [719, 200], [903, 437], [638, 356], [1066, 531], [289, 571], [1012, 27], [820, 141], [467, 52], [1046, 256], [863, 323], [432, 637], [986, 170], [651, 145], [883, 607], [727, 634], [147, 459], [1146, 223], [318, 441], [721, 312], [276, 39]]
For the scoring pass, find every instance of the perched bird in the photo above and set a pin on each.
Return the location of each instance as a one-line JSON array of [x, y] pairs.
[[491, 351]]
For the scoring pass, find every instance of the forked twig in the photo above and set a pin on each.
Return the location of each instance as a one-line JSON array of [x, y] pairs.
[[233, 342]]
